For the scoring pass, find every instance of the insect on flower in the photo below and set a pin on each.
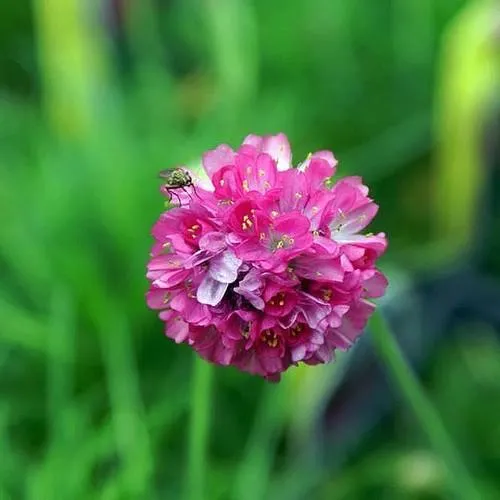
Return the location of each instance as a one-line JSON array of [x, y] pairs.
[[176, 178]]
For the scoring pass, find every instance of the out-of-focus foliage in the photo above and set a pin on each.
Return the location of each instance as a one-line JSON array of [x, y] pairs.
[[95, 99]]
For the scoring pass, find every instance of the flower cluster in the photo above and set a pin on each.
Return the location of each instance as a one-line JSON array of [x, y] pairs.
[[263, 265]]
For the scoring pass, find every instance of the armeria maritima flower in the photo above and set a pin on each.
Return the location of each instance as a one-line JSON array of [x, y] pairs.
[[263, 266]]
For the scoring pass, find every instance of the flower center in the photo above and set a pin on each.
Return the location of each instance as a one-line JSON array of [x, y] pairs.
[[246, 222], [270, 338], [278, 299], [297, 330], [188, 285], [194, 231], [327, 294], [284, 242], [245, 331]]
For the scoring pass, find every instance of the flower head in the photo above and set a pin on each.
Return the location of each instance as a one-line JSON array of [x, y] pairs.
[[262, 265]]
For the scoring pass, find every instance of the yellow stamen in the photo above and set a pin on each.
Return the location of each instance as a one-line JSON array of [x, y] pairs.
[[270, 338], [245, 331], [247, 223]]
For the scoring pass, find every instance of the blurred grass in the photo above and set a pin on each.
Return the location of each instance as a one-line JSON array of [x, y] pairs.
[[94, 399]]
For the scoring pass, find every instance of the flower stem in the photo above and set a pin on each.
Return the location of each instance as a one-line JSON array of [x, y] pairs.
[[411, 391], [198, 429]]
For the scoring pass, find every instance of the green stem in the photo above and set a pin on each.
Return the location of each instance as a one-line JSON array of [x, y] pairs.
[[199, 429], [425, 413]]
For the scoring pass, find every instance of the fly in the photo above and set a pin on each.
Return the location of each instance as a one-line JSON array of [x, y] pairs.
[[176, 178]]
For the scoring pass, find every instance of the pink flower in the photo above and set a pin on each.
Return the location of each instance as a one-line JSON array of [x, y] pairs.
[[262, 266]]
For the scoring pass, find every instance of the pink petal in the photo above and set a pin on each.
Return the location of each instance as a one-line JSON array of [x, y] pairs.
[[319, 269], [176, 328], [354, 221], [314, 311], [254, 140], [376, 285], [157, 298], [217, 158], [278, 147], [317, 172], [292, 224]]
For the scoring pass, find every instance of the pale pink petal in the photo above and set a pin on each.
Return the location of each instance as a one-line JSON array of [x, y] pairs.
[[210, 291], [217, 158], [278, 147], [224, 267], [213, 242], [254, 140]]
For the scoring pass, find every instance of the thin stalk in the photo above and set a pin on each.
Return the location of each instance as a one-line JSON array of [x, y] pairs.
[[199, 429], [425, 413]]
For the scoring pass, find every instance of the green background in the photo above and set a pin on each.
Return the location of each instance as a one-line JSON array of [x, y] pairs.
[[95, 99]]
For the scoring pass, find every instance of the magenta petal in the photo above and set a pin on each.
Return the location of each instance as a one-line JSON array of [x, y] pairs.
[[276, 146], [319, 269], [317, 172], [157, 298], [271, 364], [176, 328], [292, 224], [376, 285], [210, 291], [314, 311], [171, 279], [354, 221]]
